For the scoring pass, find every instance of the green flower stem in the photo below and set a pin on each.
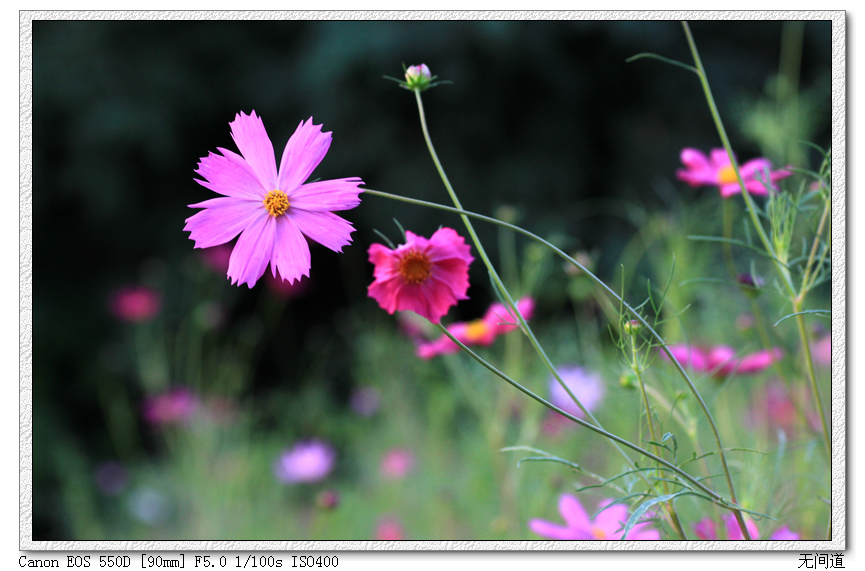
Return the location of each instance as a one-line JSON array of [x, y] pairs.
[[600, 284], [713, 495], [783, 271], [638, 371]]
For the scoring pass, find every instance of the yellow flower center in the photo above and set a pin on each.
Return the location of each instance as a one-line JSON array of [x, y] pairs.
[[598, 533], [727, 175], [276, 203], [476, 329], [415, 267]]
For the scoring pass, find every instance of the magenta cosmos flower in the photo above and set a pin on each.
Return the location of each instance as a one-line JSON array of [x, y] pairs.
[[717, 170], [424, 276], [271, 209], [706, 529], [607, 525], [498, 320], [307, 461], [721, 360]]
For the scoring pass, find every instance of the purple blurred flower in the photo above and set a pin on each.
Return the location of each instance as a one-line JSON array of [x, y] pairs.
[[172, 407], [717, 170], [607, 525], [135, 304], [707, 530], [588, 387], [273, 210], [308, 461], [397, 463]]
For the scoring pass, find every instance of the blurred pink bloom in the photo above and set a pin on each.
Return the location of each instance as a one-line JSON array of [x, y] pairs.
[[607, 525], [498, 320], [365, 401], [424, 276], [773, 408], [389, 529], [587, 387], [397, 463], [821, 351], [717, 170], [172, 407], [272, 210], [707, 530], [308, 461], [135, 304], [721, 360]]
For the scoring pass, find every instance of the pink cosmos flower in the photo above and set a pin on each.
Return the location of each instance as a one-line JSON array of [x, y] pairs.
[[607, 525], [721, 361], [397, 463], [307, 461], [424, 276], [706, 529], [173, 407], [717, 170], [498, 320], [271, 209], [774, 407], [135, 304]]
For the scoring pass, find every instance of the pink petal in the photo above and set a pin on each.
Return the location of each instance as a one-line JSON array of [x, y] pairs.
[[687, 356], [253, 251], [720, 158], [612, 520], [290, 252], [695, 159], [734, 532], [229, 174], [759, 361], [756, 167], [574, 514], [784, 534], [553, 531], [303, 152], [728, 190], [446, 243], [326, 228], [705, 529], [221, 220], [337, 194], [255, 146], [385, 262], [721, 360]]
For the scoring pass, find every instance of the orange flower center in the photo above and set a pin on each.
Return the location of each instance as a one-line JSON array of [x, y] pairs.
[[476, 329], [727, 175], [415, 267], [276, 203], [598, 533]]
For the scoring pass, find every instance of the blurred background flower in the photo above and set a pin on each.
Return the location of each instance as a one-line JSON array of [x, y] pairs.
[[305, 462]]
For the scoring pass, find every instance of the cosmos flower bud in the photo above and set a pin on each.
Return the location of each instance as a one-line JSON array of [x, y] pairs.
[[418, 77]]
